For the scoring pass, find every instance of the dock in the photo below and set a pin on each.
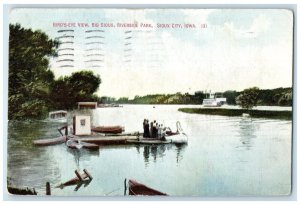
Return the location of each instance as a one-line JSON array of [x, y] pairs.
[[106, 140]]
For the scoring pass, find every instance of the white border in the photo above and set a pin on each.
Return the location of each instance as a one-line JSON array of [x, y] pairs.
[[151, 4]]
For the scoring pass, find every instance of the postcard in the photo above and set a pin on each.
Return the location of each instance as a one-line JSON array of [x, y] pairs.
[[150, 102]]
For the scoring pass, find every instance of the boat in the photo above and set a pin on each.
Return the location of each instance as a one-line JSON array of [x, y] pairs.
[[178, 137], [213, 101], [135, 188], [58, 116], [50, 141], [108, 129], [77, 144]]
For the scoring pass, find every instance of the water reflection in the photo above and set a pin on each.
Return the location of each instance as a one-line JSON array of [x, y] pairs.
[[159, 151], [83, 155], [247, 133]]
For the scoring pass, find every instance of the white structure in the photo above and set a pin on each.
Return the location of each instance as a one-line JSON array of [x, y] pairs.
[[58, 116], [213, 101], [82, 125]]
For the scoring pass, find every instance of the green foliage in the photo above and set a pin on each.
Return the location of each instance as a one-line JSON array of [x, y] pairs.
[[283, 115], [29, 75], [32, 88], [79, 87], [248, 98], [230, 96]]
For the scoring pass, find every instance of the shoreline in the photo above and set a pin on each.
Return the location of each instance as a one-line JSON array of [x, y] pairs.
[[282, 115]]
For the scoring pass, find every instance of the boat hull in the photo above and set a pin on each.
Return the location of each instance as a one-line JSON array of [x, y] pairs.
[[52, 141], [179, 138], [136, 189], [76, 145], [108, 129]]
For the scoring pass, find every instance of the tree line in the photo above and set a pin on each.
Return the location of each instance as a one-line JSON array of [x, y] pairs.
[[267, 97], [33, 90]]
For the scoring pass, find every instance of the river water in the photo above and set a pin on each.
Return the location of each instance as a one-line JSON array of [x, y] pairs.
[[225, 156]]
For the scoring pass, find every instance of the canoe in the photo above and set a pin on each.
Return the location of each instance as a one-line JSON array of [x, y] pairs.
[[136, 188], [108, 129], [77, 144], [51, 141]]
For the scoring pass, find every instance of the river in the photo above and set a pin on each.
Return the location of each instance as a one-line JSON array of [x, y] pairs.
[[225, 156]]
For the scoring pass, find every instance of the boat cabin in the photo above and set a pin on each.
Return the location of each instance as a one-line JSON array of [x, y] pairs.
[[82, 125], [57, 114]]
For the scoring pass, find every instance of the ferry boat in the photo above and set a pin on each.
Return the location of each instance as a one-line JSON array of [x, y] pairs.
[[213, 101]]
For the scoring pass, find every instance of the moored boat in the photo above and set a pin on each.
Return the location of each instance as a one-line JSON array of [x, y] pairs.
[[58, 116], [108, 129], [179, 138], [51, 141], [77, 144], [136, 188]]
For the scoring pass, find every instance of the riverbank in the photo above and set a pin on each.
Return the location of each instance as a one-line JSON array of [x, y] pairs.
[[283, 115]]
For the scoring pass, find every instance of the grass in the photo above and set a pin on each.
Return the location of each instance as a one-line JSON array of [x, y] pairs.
[[283, 115]]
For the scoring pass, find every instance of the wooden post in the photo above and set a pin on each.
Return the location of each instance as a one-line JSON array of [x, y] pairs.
[[48, 189], [125, 187], [88, 174], [78, 175]]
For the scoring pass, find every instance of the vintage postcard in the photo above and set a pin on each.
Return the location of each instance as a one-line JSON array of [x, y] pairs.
[[150, 102]]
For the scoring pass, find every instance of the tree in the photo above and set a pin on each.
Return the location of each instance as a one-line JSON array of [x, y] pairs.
[[29, 74], [248, 98], [79, 87]]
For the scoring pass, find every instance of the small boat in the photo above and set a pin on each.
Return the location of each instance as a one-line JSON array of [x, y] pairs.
[[136, 188], [58, 116], [77, 144], [178, 137], [51, 141], [108, 129]]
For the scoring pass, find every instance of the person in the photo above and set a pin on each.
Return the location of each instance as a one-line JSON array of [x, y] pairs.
[[154, 132], [144, 126], [159, 131], [151, 129], [163, 133], [147, 132]]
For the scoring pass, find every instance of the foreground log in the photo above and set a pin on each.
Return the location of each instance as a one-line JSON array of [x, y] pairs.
[[84, 178]]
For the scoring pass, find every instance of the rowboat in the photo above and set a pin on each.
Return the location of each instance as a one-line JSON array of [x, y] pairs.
[[51, 141], [77, 144], [108, 129], [136, 188]]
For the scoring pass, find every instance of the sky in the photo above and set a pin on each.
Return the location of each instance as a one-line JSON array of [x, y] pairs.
[[226, 49]]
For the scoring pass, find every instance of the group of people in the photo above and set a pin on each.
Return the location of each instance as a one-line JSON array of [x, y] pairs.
[[153, 130]]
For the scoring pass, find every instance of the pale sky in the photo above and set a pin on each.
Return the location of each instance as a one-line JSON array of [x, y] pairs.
[[238, 49]]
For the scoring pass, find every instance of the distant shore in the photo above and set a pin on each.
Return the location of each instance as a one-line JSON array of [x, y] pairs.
[[283, 115]]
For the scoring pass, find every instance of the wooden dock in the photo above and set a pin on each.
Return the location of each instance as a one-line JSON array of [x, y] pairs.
[[106, 140]]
